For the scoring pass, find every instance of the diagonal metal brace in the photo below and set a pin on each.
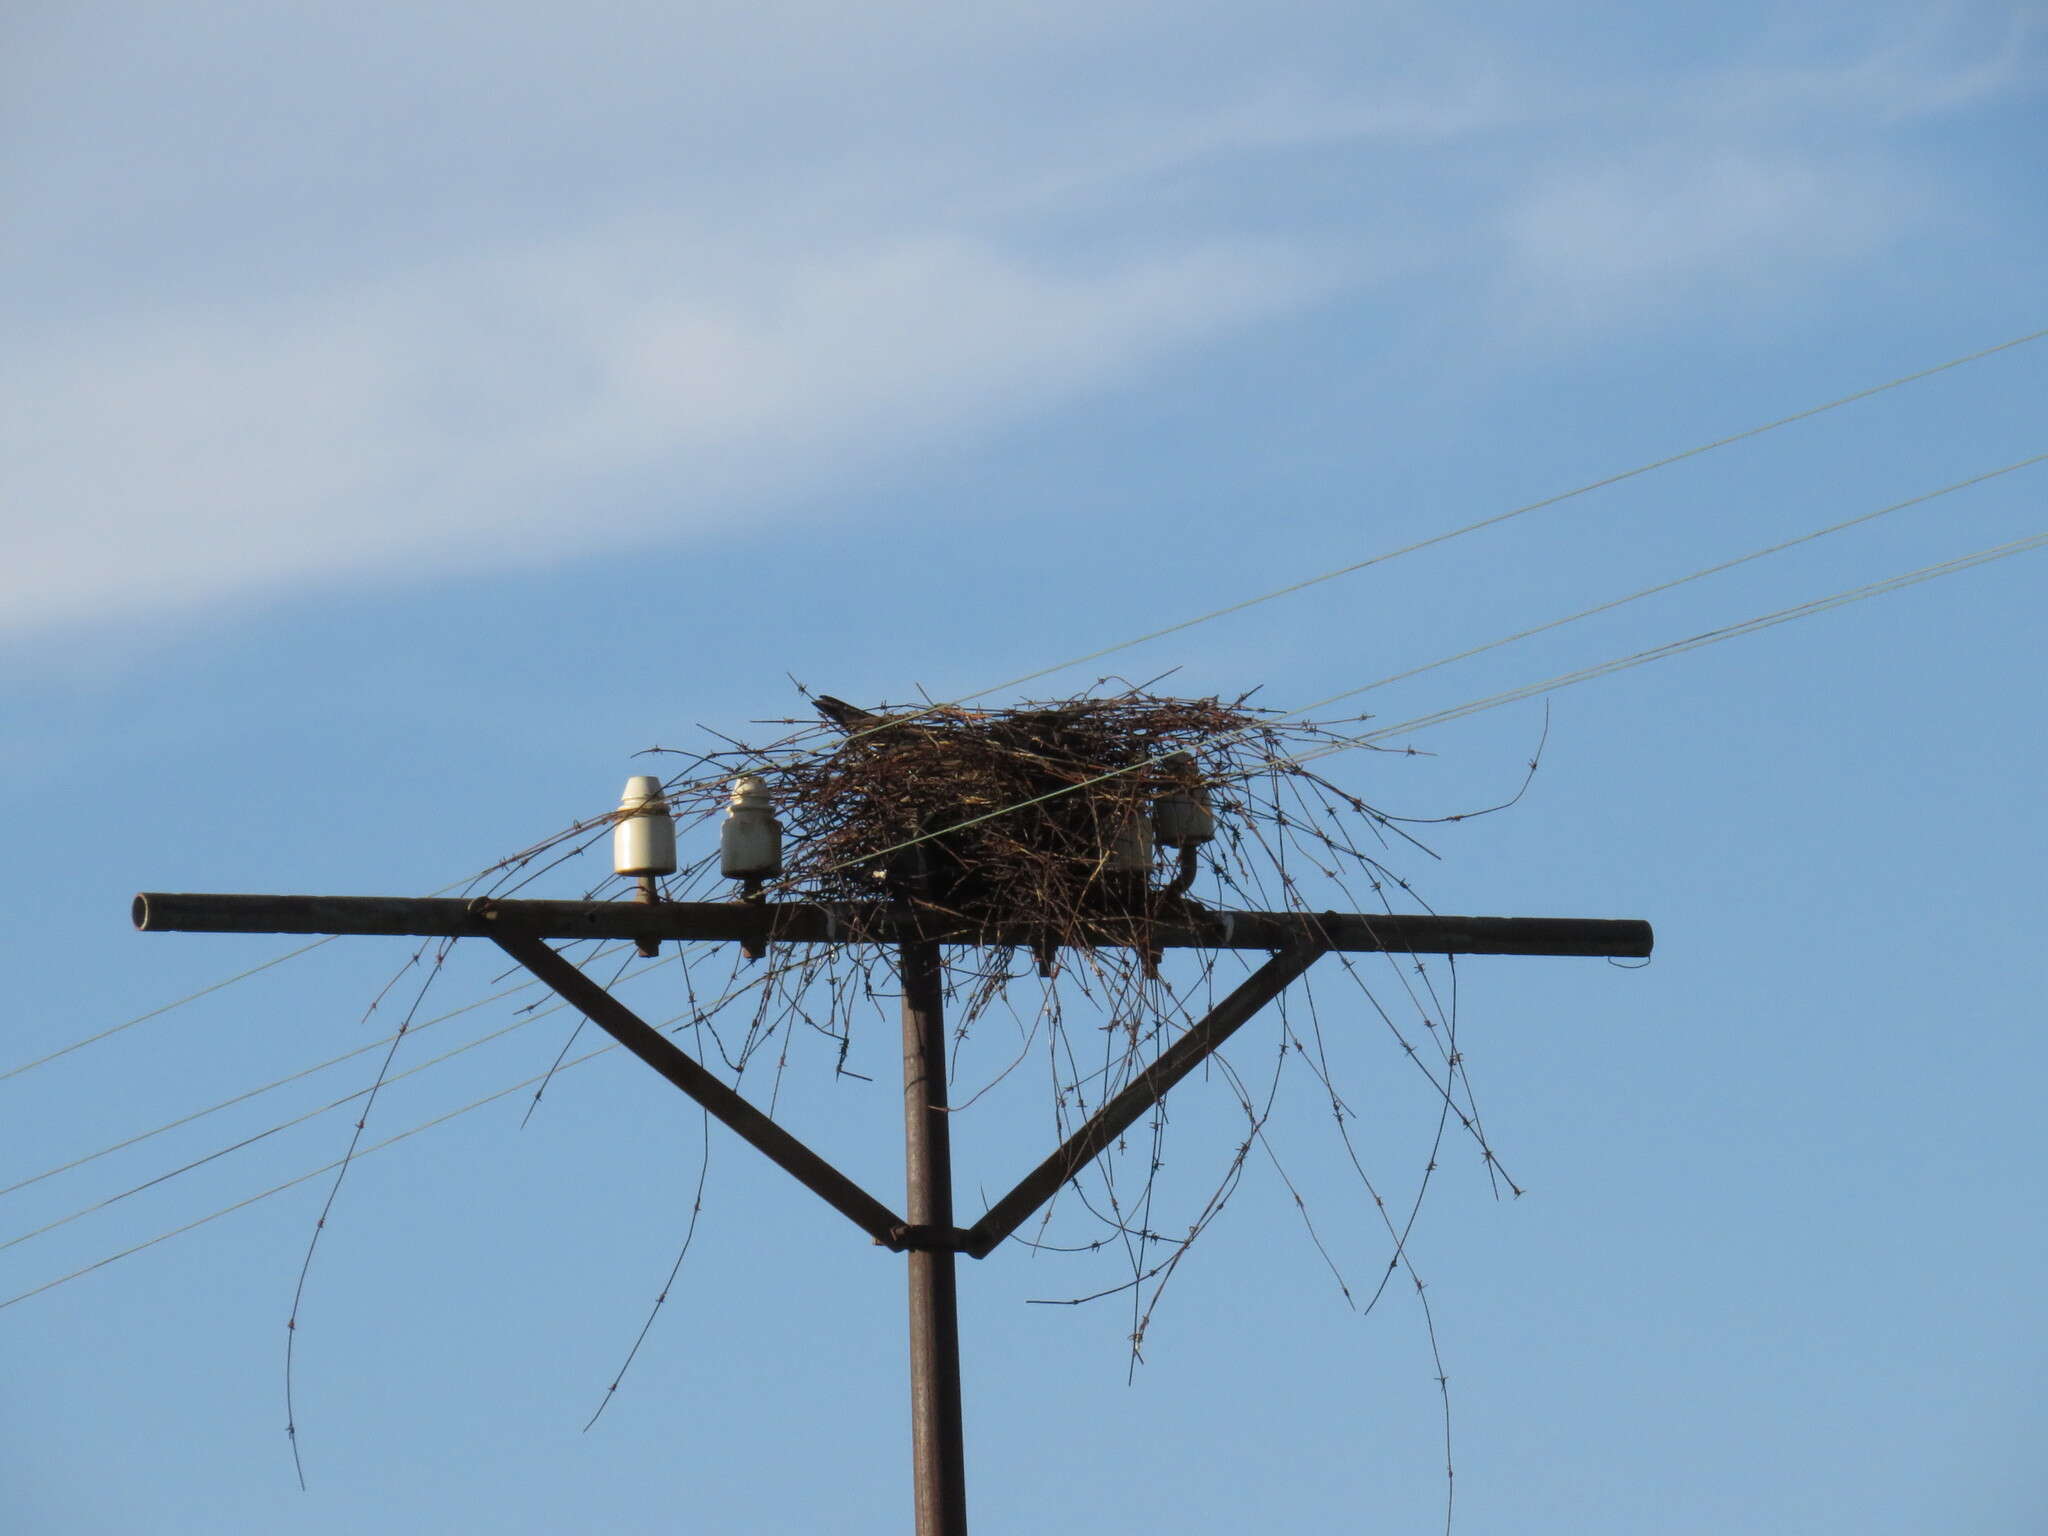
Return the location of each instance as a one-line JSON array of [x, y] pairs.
[[1147, 1089], [682, 1069]]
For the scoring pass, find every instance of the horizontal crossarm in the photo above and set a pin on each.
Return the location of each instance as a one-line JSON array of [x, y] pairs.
[[680, 1068], [1147, 1089], [792, 922]]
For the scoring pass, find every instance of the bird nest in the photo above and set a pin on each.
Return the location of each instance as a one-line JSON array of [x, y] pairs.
[[1063, 825], [1067, 818]]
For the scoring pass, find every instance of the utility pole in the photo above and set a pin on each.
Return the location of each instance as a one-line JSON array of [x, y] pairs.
[[938, 1453], [926, 1231]]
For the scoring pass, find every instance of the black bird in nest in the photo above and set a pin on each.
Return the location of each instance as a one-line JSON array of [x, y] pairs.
[[850, 718], [925, 869]]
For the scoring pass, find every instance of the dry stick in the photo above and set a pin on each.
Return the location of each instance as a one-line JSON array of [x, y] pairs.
[[291, 1428], [689, 1237]]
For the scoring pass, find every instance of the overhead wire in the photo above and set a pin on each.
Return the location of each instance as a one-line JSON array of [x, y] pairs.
[[143, 1018], [1752, 625], [1675, 647], [1711, 570], [1910, 578], [1171, 629], [252, 1093], [1474, 527], [527, 1017], [211, 988], [283, 1125], [1332, 574], [1672, 648], [1660, 587], [293, 1183], [426, 1125], [539, 1012]]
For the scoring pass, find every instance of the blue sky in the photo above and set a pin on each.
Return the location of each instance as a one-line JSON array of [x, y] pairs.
[[409, 413]]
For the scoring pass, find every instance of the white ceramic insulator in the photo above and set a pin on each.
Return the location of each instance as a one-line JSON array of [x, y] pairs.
[[1183, 820], [1131, 852], [644, 837], [750, 842]]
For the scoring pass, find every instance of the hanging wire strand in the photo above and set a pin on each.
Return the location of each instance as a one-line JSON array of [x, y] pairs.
[[291, 1337], [668, 1285]]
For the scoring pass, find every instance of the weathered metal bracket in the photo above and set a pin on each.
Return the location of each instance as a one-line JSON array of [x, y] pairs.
[[869, 1214], [795, 922]]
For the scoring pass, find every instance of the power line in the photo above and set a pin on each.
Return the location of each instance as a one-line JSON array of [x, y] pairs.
[[694, 1013], [304, 1072], [1675, 647], [285, 1125], [1563, 680], [1171, 629], [143, 1018], [1608, 606], [1910, 578], [293, 1183], [1711, 570], [1485, 522], [229, 981]]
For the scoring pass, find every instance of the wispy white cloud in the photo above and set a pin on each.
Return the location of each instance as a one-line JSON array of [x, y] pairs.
[[486, 412], [460, 390], [1600, 239], [1757, 177], [306, 297]]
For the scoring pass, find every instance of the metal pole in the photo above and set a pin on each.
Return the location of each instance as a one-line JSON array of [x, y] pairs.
[[939, 1455], [792, 922]]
